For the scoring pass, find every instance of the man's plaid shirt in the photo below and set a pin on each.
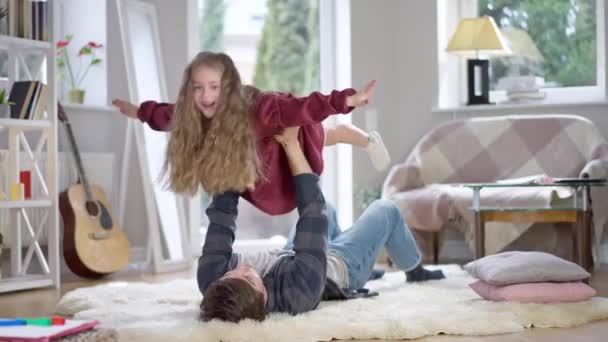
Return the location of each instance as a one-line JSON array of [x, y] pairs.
[[296, 281]]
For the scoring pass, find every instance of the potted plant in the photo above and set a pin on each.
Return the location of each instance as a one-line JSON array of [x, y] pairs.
[[5, 105], [366, 195], [75, 74]]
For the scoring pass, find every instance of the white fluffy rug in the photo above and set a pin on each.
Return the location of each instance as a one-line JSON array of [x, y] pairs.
[[168, 312]]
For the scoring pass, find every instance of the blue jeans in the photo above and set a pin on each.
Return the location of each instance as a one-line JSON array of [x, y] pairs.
[[380, 225]]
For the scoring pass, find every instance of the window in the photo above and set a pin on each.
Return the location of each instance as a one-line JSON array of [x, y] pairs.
[[275, 46], [560, 41], [552, 39], [268, 40]]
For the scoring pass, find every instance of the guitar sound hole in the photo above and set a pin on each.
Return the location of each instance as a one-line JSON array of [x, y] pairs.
[[92, 208], [105, 219]]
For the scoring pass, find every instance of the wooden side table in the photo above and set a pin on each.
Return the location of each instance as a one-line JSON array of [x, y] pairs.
[[579, 214]]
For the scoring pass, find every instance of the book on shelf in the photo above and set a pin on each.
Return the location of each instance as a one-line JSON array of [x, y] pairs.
[[30, 98], [28, 19]]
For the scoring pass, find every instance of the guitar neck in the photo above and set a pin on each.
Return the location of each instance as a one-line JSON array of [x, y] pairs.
[[78, 160]]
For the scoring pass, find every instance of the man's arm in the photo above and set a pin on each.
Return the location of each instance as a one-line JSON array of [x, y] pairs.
[[297, 160], [302, 278], [217, 258]]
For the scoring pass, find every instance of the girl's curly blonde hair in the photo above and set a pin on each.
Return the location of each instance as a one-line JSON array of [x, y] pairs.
[[219, 153]]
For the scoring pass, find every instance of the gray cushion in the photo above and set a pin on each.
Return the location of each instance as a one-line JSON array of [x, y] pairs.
[[524, 267]]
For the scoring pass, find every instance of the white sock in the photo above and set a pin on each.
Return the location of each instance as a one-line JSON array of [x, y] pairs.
[[377, 151]]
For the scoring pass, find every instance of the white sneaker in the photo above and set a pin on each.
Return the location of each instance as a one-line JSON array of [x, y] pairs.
[[378, 152]]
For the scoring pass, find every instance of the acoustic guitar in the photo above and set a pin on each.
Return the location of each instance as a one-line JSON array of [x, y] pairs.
[[94, 245]]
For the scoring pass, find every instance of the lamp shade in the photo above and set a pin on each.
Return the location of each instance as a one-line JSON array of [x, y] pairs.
[[478, 35], [521, 44]]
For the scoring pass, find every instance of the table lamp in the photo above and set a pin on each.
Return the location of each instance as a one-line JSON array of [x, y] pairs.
[[475, 35]]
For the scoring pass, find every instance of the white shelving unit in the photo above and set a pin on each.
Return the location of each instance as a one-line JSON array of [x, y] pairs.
[[26, 204], [25, 124], [16, 43], [32, 143]]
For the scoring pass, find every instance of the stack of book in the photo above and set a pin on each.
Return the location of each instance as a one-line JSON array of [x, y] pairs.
[[28, 19], [522, 88], [30, 99], [530, 95]]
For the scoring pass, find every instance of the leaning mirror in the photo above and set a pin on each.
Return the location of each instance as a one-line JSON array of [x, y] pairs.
[[168, 231]]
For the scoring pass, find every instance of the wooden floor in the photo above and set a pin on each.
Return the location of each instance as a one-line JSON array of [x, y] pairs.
[[34, 303]]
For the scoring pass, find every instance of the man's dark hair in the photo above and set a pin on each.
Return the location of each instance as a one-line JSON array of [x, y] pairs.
[[232, 299]]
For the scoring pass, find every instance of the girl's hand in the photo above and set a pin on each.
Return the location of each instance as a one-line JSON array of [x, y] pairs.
[[125, 107], [288, 136], [361, 98]]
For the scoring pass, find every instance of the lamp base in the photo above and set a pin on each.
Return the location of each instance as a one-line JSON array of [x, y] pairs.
[[478, 81], [479, 103]]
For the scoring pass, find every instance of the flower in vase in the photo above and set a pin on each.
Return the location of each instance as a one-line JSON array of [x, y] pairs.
[[84, 60]]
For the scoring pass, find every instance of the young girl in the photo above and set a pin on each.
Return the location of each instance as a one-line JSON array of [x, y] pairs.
[[222, 133]]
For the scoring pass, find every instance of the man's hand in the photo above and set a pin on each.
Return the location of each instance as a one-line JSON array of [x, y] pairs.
[[361, 97], [125, 107], [288, 136], [295, 156]]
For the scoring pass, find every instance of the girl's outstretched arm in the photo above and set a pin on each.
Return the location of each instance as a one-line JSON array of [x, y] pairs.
[[156, 114], [276, 111]]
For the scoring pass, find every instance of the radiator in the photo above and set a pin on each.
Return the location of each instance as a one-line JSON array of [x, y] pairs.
[[99, 168]]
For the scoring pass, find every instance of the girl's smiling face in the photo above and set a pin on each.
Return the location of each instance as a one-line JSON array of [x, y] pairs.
[[206, 89]]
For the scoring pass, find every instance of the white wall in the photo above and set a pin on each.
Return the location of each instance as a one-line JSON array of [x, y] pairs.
[[394, 42], [86, 20]]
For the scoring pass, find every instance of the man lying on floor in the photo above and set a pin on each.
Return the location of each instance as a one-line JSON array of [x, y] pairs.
[[309, 269]]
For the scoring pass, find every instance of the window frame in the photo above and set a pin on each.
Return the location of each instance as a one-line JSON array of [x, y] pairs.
[[469, 8], [336, 73]]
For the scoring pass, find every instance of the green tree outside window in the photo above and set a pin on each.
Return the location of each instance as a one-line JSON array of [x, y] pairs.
[[288, 52], [564, 32], [212, 25]]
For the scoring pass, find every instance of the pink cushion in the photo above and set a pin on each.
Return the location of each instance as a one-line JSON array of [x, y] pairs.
[[535, 292]]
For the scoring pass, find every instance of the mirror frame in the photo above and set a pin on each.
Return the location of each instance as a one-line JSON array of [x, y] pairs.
[[135, 129]]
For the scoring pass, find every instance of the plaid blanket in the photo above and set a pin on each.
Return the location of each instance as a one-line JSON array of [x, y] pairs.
[[491, 149]]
